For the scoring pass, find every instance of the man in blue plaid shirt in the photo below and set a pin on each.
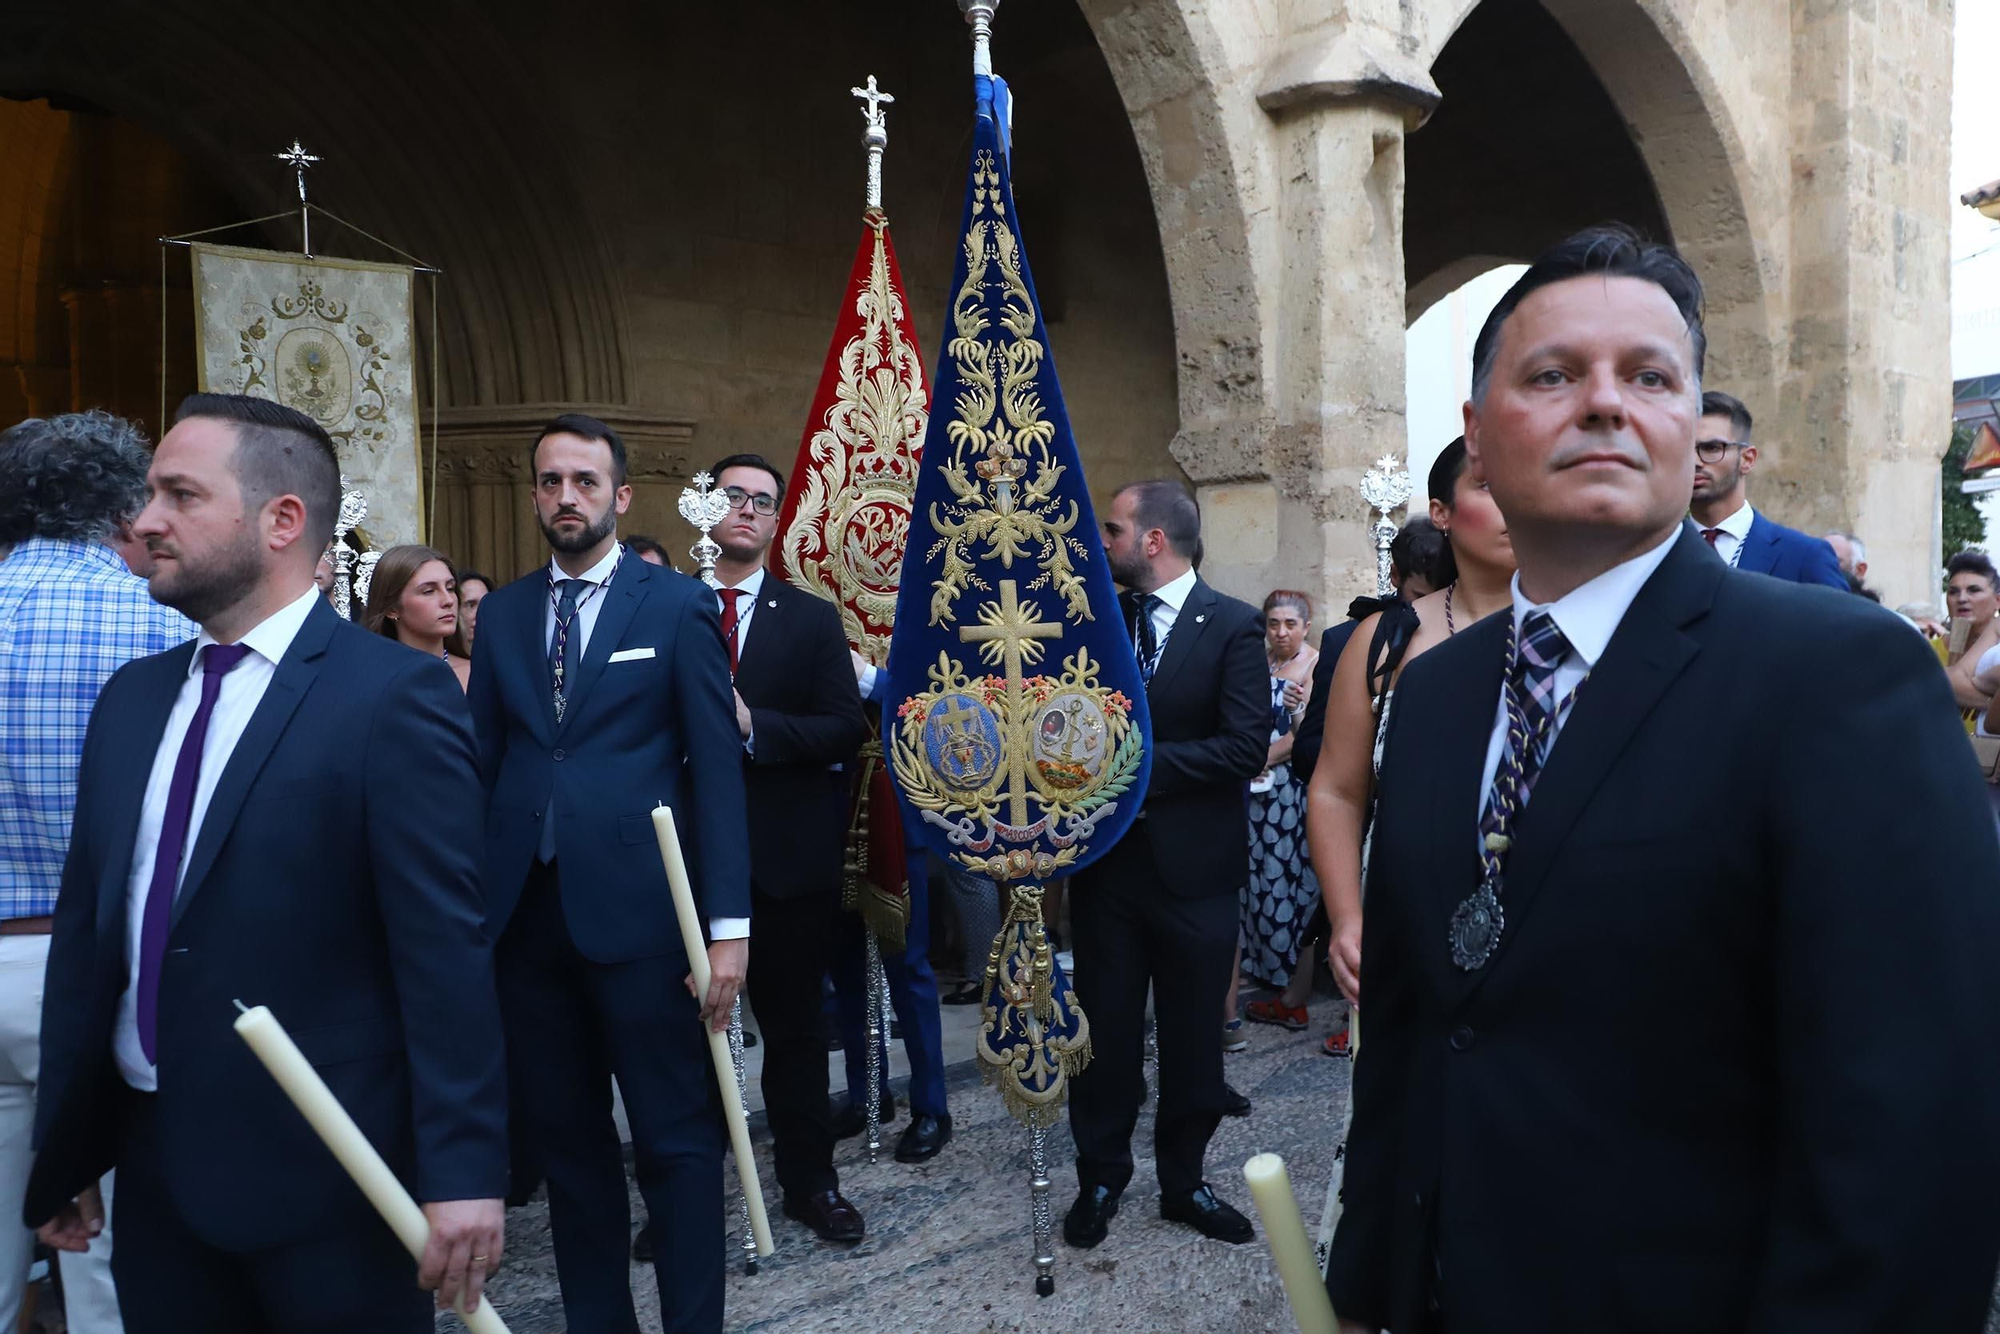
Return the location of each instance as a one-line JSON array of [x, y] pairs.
[[71, 614]]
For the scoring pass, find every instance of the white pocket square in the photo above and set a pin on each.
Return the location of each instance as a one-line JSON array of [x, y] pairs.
[[631, 654]]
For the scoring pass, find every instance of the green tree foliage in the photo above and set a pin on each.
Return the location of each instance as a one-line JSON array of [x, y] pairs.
[[1962, 527]]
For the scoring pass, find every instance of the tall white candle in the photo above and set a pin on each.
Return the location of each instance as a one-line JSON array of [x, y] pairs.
[[330, 1121], [718, 1043], [1285, 1230]]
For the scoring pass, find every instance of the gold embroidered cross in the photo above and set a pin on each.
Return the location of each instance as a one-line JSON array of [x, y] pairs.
[[1011, 629]]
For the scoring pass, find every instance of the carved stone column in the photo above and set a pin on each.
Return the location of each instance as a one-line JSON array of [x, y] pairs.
[[485, 502], [1341, 102]]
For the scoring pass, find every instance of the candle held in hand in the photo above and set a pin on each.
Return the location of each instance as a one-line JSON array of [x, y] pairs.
[[274, 1047], [1271, 1188], [668, 836]]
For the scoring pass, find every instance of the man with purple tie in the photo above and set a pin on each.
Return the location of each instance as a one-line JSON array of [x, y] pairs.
[[256, 820]]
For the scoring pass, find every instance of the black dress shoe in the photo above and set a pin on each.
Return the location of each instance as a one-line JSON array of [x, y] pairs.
[[965, 993], [642, 1246], [1090, 1217], [1234, 1103], [851, 1118], [1200, 1210], [926, 1135], [831, 1216]]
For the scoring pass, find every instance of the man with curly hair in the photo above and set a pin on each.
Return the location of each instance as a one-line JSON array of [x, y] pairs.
[[71, 614]]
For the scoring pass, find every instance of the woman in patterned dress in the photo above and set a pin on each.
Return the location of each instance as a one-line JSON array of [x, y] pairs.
[[1279, 897]]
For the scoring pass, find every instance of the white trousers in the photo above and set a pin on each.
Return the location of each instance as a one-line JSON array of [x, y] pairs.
[[89, 1299]]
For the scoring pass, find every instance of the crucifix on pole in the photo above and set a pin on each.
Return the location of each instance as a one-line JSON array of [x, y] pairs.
[[1013, 630], [298, 160]]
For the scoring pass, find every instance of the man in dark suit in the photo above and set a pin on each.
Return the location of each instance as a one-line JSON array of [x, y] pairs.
[[1161, 906], [257, 818], [1721, 509], [1566, 869], [799, 715], [601, 690]]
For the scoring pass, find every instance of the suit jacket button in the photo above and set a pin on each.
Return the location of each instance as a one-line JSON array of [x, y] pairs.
[[559, 754], [1461, 1038]]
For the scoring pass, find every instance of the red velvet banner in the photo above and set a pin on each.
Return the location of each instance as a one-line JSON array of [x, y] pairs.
[[846, 515]]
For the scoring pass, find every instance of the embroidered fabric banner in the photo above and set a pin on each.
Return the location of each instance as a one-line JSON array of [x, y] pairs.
[[1021, 735], [846, 514], [333, 338]]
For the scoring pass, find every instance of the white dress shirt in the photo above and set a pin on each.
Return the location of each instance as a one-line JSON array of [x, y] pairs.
[[1733, 532], [1588, 616], [1172, 595], [746, 606], [242, 691], [586, 611]]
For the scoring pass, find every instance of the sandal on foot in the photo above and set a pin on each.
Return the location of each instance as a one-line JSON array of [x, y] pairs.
[[1275, 1011]]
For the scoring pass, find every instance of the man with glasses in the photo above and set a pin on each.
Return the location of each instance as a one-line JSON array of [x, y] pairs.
[[798, 712], [1728, 521]]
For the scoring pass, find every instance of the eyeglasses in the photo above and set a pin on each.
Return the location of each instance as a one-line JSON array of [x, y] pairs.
[[757, 500], [1711, 451]]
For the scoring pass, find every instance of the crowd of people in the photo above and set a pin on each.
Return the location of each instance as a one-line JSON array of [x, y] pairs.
[[424, 840]]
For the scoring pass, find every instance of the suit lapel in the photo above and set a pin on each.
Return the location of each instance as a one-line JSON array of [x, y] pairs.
[[294, 676], [533, 638], [1760, 547], [1458, 720], [1647, 653], [752, 662], [1188, 625], [629, 585], [157, 691]]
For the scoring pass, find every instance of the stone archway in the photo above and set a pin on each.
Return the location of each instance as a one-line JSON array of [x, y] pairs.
[[426, 155]]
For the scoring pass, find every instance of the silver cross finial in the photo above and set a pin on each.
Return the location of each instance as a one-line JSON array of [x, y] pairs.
[[298, 160], [875, 98]]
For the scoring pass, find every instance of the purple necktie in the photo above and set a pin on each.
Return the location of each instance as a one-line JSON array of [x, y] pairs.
[[216, 660]]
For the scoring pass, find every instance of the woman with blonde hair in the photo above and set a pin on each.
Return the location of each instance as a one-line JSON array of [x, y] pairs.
[[413, 599]]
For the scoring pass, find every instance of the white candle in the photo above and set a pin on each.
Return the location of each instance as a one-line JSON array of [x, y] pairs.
[[718, 1043], [309, 1093], [1286, 1233]]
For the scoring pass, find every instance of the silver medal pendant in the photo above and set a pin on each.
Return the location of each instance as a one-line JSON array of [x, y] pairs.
[[1476, 927]]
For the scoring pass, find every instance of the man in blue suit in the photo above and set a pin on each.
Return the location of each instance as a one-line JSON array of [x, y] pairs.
[[1728, 521], [601, 690], [264, 814]]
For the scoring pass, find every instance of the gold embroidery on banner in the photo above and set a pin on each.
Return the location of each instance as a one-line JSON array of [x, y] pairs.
[[999, 433], [975, 753], [848, 534]]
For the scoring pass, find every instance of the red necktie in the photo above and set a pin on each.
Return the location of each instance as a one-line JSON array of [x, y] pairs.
[[729, 596], [1709, 535]]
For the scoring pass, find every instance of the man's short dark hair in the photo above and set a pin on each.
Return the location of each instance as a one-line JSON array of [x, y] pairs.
[[473, 576], [576, 423], [1165, 504], [749, 461], [279, 452], [1420, 549], [1715, 403], [1612, 251], [639, 545], [1972, 562], [73, 477]]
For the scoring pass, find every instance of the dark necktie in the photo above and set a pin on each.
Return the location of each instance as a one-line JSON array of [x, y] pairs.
[[216, 661], [1532, 705], [729, 623], [1148, 641], [564, 649], [1709, 535]]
